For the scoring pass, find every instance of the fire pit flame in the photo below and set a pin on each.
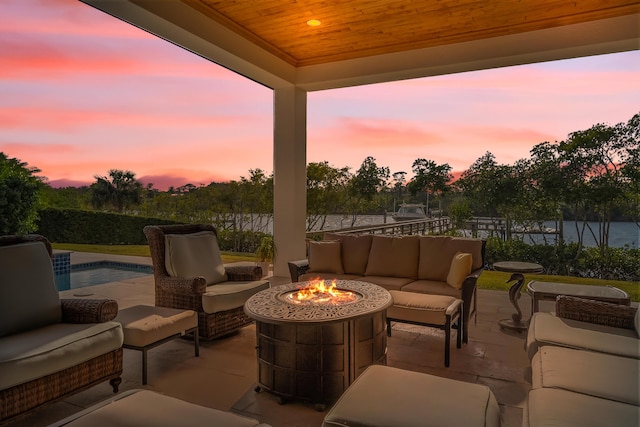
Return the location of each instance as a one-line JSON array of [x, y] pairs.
[[317, 292]]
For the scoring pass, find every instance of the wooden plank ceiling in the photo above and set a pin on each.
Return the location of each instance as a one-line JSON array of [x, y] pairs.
[[353, 29]]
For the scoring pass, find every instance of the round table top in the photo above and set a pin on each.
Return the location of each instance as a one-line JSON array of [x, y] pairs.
[[267, 305], [518, 267]]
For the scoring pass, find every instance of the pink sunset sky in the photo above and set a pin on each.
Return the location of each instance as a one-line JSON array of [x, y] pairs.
[[82, 93]]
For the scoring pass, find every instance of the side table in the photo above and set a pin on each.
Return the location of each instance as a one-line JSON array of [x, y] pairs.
[[548, 291], [517, 269]]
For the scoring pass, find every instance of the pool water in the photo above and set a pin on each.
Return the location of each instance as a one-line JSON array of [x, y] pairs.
[[97, 273]]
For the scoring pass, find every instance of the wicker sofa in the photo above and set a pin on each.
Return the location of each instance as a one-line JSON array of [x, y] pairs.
[[418, 264], [198, 280], [49, 348], [585, 365]]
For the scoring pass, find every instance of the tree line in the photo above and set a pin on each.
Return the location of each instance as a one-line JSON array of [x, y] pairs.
[[593, 175]]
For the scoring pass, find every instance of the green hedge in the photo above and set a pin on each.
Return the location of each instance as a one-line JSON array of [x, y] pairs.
[[89, 227], [103, 228]]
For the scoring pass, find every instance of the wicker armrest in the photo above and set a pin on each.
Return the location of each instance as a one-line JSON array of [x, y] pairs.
[[239, 273], [298, 268], [88, 310], [598, 312], [182, 285]]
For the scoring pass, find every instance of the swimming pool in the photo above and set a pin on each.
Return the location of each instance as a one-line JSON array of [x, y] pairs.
[[96, 273]]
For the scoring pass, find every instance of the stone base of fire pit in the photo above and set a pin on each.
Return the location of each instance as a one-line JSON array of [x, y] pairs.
[[314, 353]]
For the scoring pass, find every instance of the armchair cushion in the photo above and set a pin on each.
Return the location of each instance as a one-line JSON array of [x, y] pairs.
[[460, 268], [547, 329], [193, 255], [28, 295], [33, 354], [229, 295], [325, 257]]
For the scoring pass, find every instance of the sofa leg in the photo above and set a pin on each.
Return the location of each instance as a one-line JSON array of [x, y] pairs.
[[447, 341], [115, 383]]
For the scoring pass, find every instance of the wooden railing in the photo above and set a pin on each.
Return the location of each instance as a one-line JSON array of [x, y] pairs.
[[418, 226]]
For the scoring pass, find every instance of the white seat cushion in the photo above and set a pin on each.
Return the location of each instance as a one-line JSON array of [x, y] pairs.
[[422, 308], [547, 329], [43, 351], [551, 407], [385, 397], [147, 408], [597, 374], [228, 295], [145, 324]]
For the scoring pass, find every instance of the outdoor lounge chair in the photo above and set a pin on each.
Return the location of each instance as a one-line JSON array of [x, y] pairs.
[[49, 348], [189, 275]]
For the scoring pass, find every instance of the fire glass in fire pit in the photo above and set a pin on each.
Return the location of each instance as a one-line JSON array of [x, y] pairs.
[[313, 349], [317, 292]]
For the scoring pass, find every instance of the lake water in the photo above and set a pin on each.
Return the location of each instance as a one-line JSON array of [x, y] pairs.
[[621, 234]]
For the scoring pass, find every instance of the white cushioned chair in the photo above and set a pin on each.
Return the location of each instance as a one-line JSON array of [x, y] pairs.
[[189, 275], [49, 348]]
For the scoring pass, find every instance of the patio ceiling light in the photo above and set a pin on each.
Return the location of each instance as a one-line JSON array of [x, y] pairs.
[[313, 23]]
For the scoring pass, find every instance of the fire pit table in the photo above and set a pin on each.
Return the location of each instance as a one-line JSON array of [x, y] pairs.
[[312, 348]]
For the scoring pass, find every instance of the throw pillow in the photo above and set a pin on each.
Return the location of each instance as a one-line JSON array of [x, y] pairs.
[[325, 257], [459, 269], [194, 255]]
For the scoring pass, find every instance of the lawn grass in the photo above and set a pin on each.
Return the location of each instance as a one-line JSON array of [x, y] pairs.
[[488, 279]]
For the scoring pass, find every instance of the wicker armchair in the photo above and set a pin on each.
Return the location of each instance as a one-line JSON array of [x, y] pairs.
[[188, 293], [44, 354], [587, 324]]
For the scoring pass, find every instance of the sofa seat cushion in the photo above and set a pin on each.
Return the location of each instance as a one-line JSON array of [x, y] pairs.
[[597, 374], [147, 408], [547, 329], [389, 283], [383, 396], [394, 257], [229, 295], [328, 276], [432, 287], [28, 295], [555, 407], [355, 251], [33, 354]]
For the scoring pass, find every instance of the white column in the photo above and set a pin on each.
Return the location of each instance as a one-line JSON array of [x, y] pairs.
[[290, 176]]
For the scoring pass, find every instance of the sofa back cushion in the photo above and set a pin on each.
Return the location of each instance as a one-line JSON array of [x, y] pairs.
[[355, 252], [437, 252], [194, 255], [394, 256], [28, 295], [325, 257]]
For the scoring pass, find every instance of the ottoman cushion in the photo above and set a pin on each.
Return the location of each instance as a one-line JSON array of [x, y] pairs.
[[147, 408], [422, 308], [144, 324], [385, 396]]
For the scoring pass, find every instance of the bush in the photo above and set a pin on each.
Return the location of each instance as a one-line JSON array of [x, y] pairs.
[[567, 260]]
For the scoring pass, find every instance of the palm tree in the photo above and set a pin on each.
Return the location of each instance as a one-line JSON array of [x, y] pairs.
[[119, 190]]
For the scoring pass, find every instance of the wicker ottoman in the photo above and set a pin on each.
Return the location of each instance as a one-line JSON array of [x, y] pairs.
[[388, 397], [146, 327], [147, 408], [436, 311]]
